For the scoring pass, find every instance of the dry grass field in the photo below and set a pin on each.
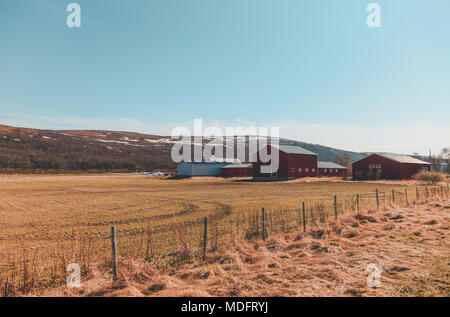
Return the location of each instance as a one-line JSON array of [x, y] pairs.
[[37, 207], [48, 221], [410, 244]]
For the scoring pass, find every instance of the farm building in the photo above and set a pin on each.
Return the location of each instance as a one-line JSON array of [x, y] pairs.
[[237, 170], [294, 162], [331, 169], [188, 169], [387, 166]]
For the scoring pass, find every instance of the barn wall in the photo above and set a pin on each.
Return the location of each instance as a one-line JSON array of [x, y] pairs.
[[283, 168], [184, 169], [303, 162], [199, 169], [289, 162], [237, 172], [409, 169], [332, 172], [257, 164], [389, 169], [206, 169]]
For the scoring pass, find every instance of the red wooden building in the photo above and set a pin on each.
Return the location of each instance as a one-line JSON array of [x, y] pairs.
[[237, 170], [331, 169], [294, 162], [387, 166]]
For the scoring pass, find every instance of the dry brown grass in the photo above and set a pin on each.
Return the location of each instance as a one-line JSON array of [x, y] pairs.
[[47, 222], [38, 206], [409, 243], [430, 177]]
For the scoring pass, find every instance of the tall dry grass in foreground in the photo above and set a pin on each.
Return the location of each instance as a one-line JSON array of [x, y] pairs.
[[409, 243], [27, 266]]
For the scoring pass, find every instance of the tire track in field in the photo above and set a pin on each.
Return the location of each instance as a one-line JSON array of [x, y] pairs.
[[221, 211], [188, 209]]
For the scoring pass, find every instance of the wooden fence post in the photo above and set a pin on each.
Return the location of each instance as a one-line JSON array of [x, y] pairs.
[[304, 217], [417, 195], [406, 196], [263, 215], [147, 249], [335, 207], [114, 252], [300, 217], [357, 202], [205, 236], [378, 200], [393, 197]]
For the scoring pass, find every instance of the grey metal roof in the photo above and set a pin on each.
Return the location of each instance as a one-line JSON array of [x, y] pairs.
[[205, 163], [397, 157], [215, 159], [329, 165], [292, 149], [402, 158], [238, 166]]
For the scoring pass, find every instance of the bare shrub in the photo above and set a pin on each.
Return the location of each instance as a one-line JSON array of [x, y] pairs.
[[429, 177]]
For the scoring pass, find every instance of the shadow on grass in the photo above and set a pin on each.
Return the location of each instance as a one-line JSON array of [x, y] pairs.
[[237, 179], [261, 180]]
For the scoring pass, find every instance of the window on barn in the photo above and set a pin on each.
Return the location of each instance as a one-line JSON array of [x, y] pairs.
[[306, 170], [336, 170], [299, 169], [325, 170], [313, 169], [292, 170]]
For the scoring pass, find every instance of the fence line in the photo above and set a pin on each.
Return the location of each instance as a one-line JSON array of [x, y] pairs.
[[114, 252], [20, 270]]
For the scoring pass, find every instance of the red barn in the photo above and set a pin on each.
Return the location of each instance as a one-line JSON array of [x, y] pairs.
[[294, 162], [387, 166], [237, 170], [331, 169]]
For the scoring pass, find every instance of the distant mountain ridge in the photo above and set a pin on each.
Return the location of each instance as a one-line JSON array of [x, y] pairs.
[[325, 153], [25, 150]]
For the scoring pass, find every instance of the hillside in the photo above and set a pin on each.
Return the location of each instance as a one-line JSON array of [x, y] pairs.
[[24, 150]]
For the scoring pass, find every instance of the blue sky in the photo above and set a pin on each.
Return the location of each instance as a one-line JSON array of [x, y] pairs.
[[313, 68]]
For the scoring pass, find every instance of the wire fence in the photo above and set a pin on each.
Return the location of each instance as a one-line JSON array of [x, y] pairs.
[[25, 266]]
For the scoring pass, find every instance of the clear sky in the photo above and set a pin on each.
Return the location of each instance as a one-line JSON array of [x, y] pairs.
[[311, 67]]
